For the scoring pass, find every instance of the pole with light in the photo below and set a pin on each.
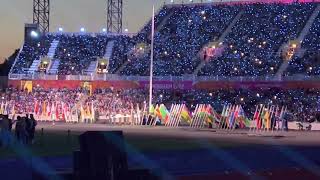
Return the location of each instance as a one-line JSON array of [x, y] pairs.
[[151, 60]]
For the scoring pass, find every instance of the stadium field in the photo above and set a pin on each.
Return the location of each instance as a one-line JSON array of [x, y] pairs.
[[181, 152], [62, 139]]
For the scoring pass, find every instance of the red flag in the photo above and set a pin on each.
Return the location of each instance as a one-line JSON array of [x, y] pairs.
[[36, 107]]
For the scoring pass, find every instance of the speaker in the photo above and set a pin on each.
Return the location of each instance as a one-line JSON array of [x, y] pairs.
[[106, 154]]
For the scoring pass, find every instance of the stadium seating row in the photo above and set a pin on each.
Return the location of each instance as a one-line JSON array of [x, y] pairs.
[[252, 46]]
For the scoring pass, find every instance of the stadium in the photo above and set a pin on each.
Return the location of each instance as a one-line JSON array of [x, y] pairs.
[[213, 74]]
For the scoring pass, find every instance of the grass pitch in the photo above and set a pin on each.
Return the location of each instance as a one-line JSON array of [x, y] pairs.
[[62, 143]]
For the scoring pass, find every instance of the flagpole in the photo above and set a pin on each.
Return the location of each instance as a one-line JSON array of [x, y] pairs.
[[151, 60]]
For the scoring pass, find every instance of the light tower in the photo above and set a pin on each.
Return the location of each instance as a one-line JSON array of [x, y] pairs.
[[41, 14], [114, 16]]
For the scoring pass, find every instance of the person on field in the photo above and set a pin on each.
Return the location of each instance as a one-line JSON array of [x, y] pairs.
[[32, 128]]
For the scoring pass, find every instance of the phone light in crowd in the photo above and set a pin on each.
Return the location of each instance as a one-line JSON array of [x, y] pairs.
[[82, 30], [104, 30], [34, 34], [126, 30], [60, 29]]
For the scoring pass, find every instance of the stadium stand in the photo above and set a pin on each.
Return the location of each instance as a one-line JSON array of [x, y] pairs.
[[31, 50], [120, 54], [251, 48], [182, 37], [75, 52], [309, 63]]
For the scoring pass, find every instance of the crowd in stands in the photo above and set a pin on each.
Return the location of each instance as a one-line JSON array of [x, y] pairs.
[[76, 52], [304, 103], [179, 40], [251, 48], [32, 50], [121, 53], [145, 32], [309, 63]]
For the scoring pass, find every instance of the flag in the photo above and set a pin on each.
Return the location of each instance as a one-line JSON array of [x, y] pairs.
[[157, 111], [266, 118], [53, 111], [186, 115], [202, 113], [82, 113], [48, 109], [152, 110], [209, 114], [2, 108], [231, 117], [40, 108], [92, 111], [36, 107], [243, 120], [164, 113], [44, 108], [235, 116], [212, 115], [224, 115], [258, 117], [173, 114]]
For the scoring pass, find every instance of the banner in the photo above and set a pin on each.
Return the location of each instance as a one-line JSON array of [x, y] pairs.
[[183, 85]]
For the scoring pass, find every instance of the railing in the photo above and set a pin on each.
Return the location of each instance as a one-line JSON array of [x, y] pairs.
[[17, 58], [115, 77], [92, 34]]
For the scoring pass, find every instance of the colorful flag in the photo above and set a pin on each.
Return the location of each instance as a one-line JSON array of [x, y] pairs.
[[186, 115], [164, 114], [152, 110], [266, 118]]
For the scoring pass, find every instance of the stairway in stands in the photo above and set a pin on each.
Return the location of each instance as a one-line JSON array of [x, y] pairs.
[[34, 66], [54, 65], [109, 50], [52, 49], [91, 68], [221, 39], [51, 52], [305, 31]]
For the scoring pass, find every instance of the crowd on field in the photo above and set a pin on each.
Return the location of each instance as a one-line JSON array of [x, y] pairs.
[[304, 104]]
